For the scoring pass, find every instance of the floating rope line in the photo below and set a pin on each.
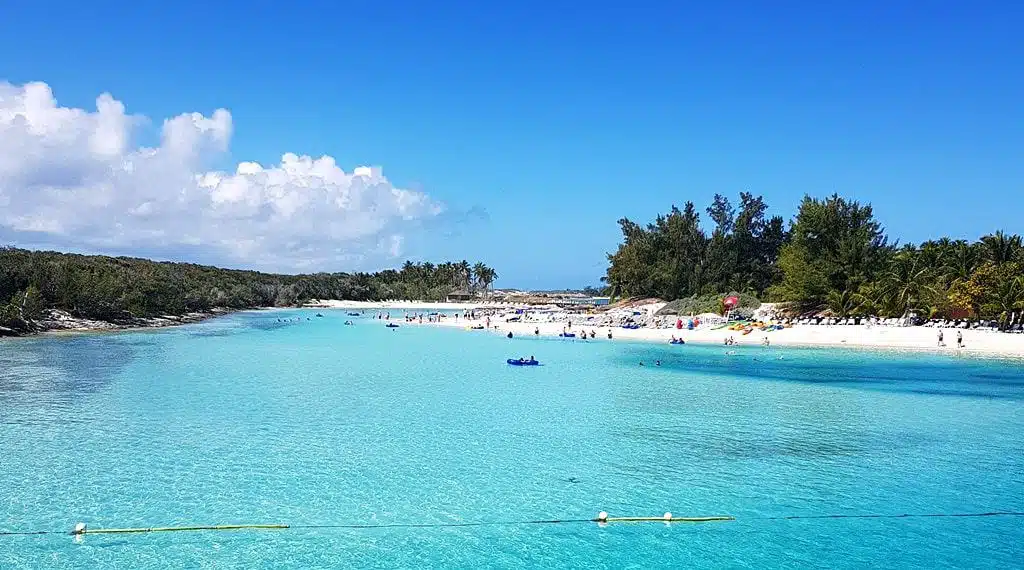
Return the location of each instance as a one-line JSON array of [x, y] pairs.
[[82, 529], [602, 519], [902, 516]]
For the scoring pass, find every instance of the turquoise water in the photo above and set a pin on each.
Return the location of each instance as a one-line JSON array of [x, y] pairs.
[[247, 420]]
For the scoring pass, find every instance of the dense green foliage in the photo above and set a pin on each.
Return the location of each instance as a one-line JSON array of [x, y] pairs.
[[674, 257], [834, 256], [696, 305], [121, 288]]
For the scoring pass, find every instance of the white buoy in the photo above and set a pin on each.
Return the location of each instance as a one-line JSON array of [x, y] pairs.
[[602, 516], [668, 517]]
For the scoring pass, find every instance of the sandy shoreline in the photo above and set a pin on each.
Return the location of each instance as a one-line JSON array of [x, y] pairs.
[[920, 338], [976, 342], [986, 343]]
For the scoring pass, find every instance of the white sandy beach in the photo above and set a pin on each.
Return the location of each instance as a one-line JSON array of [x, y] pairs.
[[397, 305], [860, 336], [976, 342]]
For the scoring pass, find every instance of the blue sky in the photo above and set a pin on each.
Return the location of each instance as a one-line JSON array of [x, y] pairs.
[[538, 125]]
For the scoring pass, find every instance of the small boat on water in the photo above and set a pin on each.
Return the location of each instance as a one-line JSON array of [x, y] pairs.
[[391, 326], [352, 314], [522, 362]]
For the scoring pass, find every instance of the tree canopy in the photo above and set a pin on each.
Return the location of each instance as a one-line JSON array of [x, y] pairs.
[[834, 255], [674, 257], [122, 288]]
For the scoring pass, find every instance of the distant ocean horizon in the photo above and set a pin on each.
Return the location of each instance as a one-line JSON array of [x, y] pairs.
[[283, 417]]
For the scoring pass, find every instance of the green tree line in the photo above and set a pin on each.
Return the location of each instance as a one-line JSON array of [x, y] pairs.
[[119, 289], [834, 255]]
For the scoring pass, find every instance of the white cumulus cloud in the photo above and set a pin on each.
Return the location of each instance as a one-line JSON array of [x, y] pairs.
[[74, 176]]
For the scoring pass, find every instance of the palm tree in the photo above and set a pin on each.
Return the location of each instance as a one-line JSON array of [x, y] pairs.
[[906, 283], [1001, 248], [841, 303], [485, 275], [480, 271], [962, 260], [1006, 298], [464, 273]]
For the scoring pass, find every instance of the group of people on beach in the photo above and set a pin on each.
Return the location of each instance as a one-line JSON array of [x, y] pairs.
[[959, 339]]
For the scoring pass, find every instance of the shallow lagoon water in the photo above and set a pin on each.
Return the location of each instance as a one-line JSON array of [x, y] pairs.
[[244, 419]]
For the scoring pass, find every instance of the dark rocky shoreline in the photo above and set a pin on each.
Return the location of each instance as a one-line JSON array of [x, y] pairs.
[[58, 321]]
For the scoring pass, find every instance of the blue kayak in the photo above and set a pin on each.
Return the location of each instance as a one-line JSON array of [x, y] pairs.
[[567, 335], [391, 326], [517, 362]]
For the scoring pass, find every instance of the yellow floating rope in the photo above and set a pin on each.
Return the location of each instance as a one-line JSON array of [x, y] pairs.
[[665, 519], [82, 529]]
